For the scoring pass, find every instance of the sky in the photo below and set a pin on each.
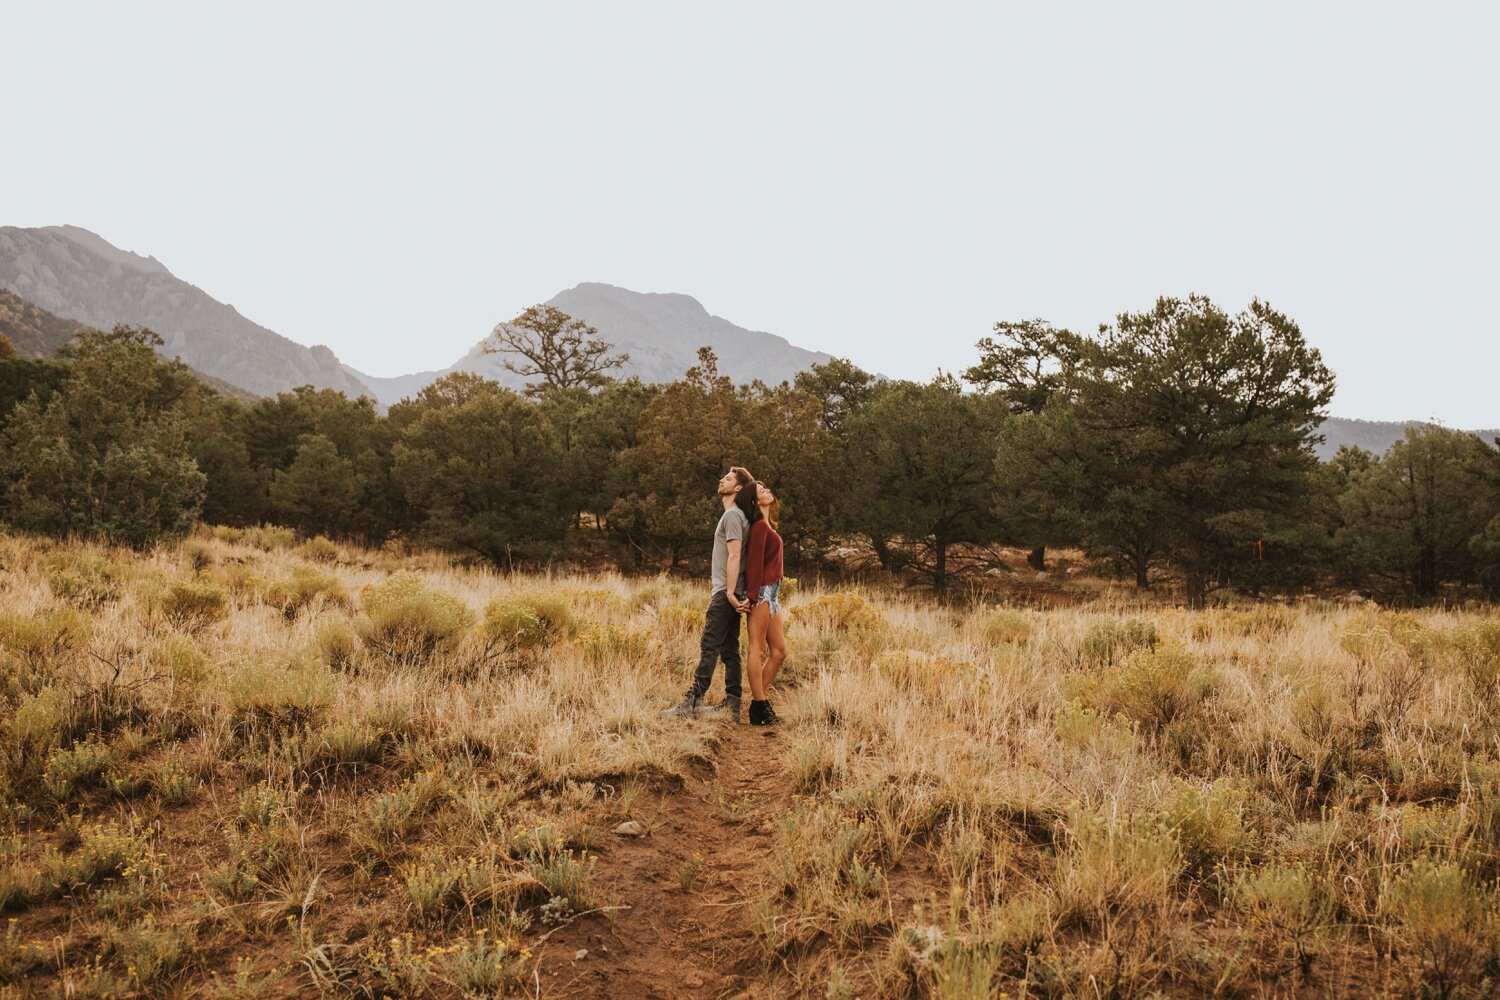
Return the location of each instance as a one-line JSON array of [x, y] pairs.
[[878, 181]]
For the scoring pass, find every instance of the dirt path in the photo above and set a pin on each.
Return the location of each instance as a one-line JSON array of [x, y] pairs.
[[687, 884]]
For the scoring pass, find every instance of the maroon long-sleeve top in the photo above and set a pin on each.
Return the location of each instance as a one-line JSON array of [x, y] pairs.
[[762, 558]]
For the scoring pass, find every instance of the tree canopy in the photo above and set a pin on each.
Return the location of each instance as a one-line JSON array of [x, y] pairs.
[[564, 352]]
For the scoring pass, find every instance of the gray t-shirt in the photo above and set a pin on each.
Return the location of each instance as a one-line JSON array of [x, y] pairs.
[[732, 526]]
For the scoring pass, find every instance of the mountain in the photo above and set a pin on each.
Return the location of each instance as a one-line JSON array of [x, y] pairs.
[[1372, 435], [36, 333], [32, 330], [660, 331], [79, 276]]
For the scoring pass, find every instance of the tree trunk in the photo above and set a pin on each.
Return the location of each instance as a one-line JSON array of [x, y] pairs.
[[1193, 585], [940, 573], [882, 551], [1037, 560], [1142, 567], [1427, 581]]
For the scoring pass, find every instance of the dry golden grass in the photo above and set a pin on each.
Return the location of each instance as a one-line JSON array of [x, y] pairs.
[[243, 766]]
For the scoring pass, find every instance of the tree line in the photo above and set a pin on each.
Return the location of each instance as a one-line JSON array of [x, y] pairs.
[[1177, 441]]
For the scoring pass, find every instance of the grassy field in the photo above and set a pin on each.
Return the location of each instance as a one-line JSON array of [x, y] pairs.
[[246, 766]]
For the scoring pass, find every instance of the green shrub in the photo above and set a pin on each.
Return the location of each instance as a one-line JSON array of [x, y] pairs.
[[268, 696], [1209, 821], [487, 965], [528, 620], [676, 621], [1114, 865], [306, 585], [79, 766], [39, 722], [181, 658], [264, 804], [175, 785], [1082, 728], [1476, 647], [153, 956], [406, 621], [337, 643], [87, 582], [105, 851], [1288, 903], [1112, 640], [1006, 626], [43, 641], [197, 555], [606, 641], [839, 611], [1154, 687], [18, 957], [320, 549], [191, 607], [350, 744], [268, 537], [1442, 917]]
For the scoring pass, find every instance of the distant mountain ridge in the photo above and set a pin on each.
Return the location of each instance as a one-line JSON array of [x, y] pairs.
[[80, 276], [660, 331], [35, 333], [56, 280], [1373, 435]]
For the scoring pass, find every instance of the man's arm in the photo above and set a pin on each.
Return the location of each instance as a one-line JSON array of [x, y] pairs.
[[732, 575]]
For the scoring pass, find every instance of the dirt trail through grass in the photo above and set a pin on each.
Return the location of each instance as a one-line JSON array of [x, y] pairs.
[[688, 885]]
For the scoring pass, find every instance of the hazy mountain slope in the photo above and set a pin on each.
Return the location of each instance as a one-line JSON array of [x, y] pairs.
[[1371, 435], [660, 332], [33, 331], [36, 333], [79, 276]]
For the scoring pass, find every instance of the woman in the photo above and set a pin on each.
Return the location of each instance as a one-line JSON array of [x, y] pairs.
[[762, 584]]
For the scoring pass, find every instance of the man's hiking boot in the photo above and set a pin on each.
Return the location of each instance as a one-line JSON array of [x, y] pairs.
[[730, 706], [762, 714], [689, 705]]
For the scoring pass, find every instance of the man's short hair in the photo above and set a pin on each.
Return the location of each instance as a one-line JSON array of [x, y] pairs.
[[742, 475]]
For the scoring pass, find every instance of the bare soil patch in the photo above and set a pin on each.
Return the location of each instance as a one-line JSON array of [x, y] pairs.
[[683, 926]]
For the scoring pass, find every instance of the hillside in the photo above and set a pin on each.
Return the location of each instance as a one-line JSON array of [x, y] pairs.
[[32, 331], [1372, 435], [660, 331], [79, 276], [240, 767], [36, 333]]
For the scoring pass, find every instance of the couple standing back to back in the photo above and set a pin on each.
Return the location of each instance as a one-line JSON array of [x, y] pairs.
[[747, 570]]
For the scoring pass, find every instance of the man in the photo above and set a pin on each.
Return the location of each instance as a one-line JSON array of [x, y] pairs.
[[721, 623]]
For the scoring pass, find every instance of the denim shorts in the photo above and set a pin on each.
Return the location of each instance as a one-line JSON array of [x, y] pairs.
[[768, 594]]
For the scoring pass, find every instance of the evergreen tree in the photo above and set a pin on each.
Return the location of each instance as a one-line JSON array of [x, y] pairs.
[[319, 492], [923, 457], [1191, 436], [106, 455], [479, 466], [1418, 517]]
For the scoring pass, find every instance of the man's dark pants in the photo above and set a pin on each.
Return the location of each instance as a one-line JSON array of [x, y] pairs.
[[721, 640]]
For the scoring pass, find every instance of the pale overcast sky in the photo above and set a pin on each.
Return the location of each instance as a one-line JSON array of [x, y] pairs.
[[880, 181]]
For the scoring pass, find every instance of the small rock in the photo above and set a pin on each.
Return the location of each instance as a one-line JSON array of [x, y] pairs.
[[580, 954], [630, 828]]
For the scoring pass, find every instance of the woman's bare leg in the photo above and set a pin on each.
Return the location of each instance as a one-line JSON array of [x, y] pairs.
[[755, 659], [772, 635]]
